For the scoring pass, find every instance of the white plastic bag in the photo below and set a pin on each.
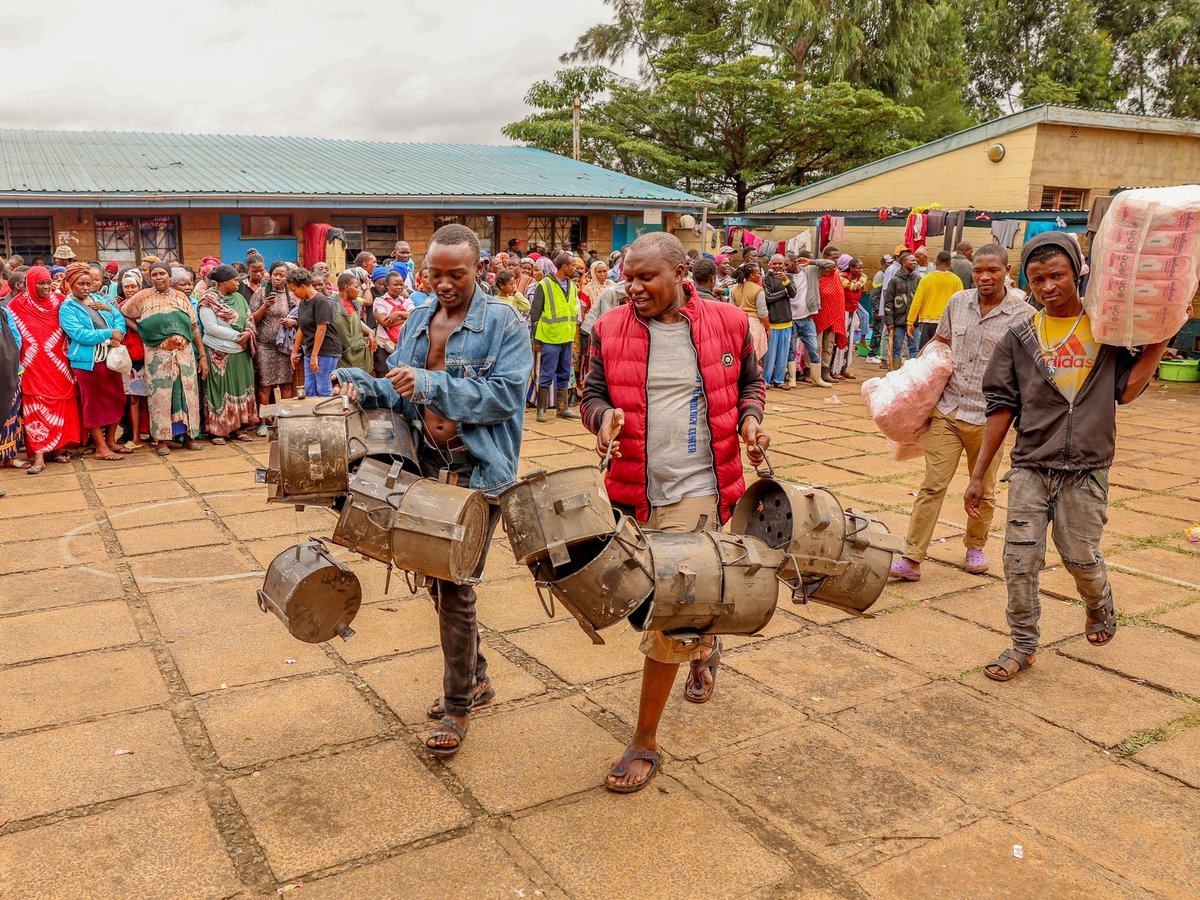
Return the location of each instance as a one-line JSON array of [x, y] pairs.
[[902, 402], [1145, 264], [118, 359]]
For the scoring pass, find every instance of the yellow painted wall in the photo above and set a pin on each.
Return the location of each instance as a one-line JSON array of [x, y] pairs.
[[959, 178], [1101, 159]]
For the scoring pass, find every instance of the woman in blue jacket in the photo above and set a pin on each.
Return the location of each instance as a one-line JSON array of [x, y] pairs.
[[93, 327]]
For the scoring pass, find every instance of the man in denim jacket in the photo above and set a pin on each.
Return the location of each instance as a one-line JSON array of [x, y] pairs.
[[458, 377]]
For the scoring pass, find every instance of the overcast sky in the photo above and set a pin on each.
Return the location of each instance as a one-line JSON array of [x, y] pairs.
[[449, 71]]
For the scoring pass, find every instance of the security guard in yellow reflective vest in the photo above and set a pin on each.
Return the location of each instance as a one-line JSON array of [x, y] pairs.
[[555, 316]]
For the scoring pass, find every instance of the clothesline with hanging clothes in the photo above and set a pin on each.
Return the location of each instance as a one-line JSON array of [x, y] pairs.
[[919, 223]]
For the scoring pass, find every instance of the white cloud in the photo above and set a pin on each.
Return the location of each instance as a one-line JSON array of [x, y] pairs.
[[398, 70]]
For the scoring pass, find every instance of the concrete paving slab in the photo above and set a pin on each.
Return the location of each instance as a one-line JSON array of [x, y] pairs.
[[53, 553], [1097, 705], [512, 603], [578, 842], [564, 649], [282, 520], [384, 629], [505, 766], [1186, 618], [50, 526], [166, 514], [1178, 756], [162, 537], [1166, 660], [822, 673], [254, 724], [986, 606], [1131, 593], [20, 484], [141, 470], [59, 587], [139, 493], [170, 570], [47, 771], [1135, 824], [312, 814], [79, 687], [978, 861], [56, 632], [422, 875], [217, 606], [410, 683], [907, 635], [830, 792], [989, 743], [245, 655], [163, 846], [738, 711]]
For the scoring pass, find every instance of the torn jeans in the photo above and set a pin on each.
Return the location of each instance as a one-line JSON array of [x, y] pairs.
[[1075, 505]]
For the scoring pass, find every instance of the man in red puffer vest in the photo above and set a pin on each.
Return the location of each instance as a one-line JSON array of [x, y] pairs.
[[677, 378]]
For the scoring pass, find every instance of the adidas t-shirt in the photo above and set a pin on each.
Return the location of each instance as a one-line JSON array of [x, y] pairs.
[[1070, 364]]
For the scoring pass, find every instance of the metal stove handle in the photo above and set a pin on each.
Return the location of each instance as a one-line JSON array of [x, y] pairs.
[[770, 469], [343, 400]]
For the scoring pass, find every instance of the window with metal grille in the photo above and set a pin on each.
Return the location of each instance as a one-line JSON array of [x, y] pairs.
[[556, 231], [129, 239], [31, 237], [1063, 198], [485, 228], [376, 234]]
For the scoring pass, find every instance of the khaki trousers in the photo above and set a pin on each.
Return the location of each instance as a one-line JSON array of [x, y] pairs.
[[944, 446], [682, 516]]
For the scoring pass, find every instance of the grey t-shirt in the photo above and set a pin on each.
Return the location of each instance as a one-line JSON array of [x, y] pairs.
[[679, 446]]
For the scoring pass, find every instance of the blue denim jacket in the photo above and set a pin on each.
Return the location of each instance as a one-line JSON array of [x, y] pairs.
[[482, 390]]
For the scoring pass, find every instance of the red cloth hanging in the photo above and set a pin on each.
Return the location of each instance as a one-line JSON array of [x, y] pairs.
[[315, 235], [914, 231]]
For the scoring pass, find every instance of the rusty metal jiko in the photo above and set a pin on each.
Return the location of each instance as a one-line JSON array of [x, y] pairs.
[[706, 582], [365, 519], [314, 595], [439, 530], [309, 462], [837, 557], [547, 513]]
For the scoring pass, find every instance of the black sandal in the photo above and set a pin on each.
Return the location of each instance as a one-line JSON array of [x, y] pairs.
[[702, 692], [446, 727], [483, 694], [1010, 662], [621, 767], [1107, 627]]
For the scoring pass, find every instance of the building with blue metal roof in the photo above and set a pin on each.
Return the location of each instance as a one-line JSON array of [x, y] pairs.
[[124, 195]]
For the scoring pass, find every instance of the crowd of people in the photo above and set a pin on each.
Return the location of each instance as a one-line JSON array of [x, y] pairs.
[[645, 341]]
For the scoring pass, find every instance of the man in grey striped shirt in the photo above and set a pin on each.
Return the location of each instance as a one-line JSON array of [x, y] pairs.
[[972, 324]]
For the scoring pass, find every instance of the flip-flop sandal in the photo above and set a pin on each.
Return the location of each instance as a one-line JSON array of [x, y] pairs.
[[164, 450], [483, 694], [1108, 626], [218, 442], [122, 449], [1010, 662], [35, 470], [245, 439], [17, 464], [108, 458], [621, 768], [696, 690], [446, 727], [62, 458]]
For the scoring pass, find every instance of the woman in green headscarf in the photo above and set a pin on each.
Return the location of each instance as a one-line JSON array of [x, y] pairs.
[[166, 321], [230, 403]]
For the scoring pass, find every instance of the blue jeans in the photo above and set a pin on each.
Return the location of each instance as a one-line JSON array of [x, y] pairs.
[[899, 335], [806, 332], [556, 366], [318, 383], [776, 360]]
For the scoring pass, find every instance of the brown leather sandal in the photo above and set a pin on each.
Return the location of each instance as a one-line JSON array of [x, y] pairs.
[[621, 768], [1008, 664], [694, 689]]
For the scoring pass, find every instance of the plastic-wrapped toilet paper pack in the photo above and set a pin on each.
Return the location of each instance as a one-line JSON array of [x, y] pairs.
[[1145, 266]]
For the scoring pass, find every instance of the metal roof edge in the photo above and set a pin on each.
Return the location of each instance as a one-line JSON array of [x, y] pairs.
[[1035, 115], [124, 200]]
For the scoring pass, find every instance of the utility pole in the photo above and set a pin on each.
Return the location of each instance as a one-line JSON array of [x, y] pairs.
[[575, 129]]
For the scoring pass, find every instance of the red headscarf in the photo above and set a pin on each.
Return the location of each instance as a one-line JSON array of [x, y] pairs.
[[43, 343]]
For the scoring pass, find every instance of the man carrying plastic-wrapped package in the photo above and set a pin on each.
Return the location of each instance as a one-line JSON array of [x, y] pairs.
[[1061, 388], [972, 324], [458, 377], [677, 379]]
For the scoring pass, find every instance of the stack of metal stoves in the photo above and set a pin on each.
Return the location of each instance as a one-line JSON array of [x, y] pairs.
[[362, 464], [603, 567]]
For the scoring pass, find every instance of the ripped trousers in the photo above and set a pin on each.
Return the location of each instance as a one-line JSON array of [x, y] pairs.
[[1075, 505]]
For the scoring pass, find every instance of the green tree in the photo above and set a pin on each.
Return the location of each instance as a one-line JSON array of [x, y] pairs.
[[1023, 52], [718, 120], [1157, 52]]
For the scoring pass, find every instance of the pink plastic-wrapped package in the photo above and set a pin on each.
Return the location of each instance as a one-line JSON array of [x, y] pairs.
[[902, 402], [1145, 266]]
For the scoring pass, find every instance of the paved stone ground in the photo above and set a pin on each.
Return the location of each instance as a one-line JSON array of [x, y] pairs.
[[159, 736]]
